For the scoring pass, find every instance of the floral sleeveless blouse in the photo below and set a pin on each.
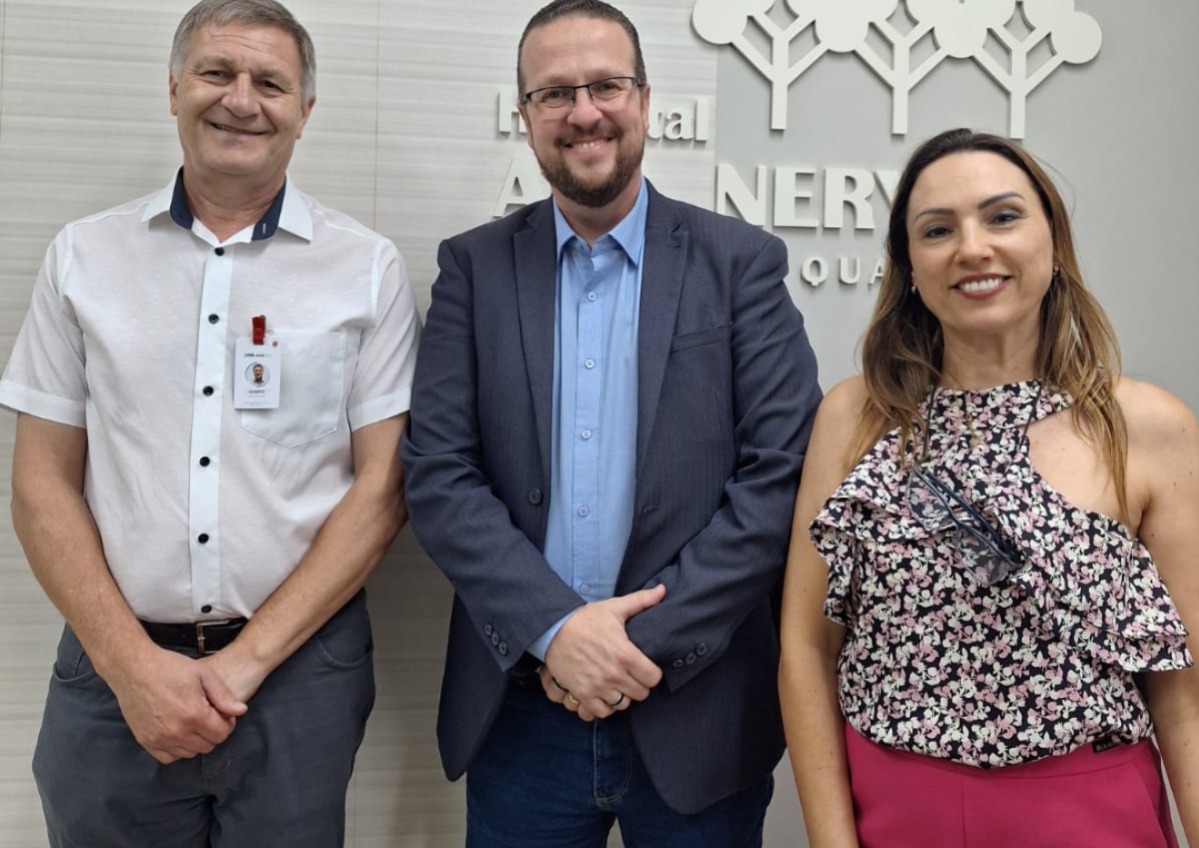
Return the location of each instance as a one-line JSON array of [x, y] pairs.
[[1035, 665]]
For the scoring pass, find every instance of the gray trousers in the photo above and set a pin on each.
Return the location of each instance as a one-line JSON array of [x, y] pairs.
[[279, 780]]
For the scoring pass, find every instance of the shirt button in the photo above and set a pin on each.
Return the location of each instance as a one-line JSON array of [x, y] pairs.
[[535, 497], [202, 538], [586, 434], [205, 462], [207, 608], [584, 588], [208, 391], [213, 318], [588, 364], [591, 296], [220, 251], [584, 511]]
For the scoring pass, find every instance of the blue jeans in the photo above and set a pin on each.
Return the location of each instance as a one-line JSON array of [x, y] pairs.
[[279, 781], [545, 779]]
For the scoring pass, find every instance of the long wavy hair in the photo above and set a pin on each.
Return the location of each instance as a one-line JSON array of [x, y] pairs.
[[1076, 349]]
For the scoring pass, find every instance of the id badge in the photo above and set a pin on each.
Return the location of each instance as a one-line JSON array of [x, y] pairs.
[[257, 374]]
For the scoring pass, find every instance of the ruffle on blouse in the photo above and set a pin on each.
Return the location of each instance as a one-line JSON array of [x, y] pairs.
[[1097, 591]]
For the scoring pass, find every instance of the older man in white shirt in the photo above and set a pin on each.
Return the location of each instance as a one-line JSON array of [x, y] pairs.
[[205, 536]]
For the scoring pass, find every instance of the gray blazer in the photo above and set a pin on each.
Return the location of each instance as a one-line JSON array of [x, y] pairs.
[[726, 396]]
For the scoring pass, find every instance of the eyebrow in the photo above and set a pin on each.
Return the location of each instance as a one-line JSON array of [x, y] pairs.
[[990, 201]]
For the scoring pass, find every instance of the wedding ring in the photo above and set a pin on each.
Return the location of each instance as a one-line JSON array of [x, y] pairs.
[[559, 685], [571, 701], [617, 702]]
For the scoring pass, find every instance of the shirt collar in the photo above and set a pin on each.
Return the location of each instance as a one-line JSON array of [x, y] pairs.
[[287, 211], [629, 233]]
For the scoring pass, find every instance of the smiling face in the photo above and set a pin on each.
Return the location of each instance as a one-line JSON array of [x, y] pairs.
[[591, 155], [238, 104], [981, 246]]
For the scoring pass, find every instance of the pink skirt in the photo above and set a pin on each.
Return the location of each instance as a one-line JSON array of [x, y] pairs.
[[1113, 799]]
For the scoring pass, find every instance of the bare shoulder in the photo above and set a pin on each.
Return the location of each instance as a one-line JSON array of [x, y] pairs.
[[1155, 418], [832, 437], [1163, 442], [844, 402]]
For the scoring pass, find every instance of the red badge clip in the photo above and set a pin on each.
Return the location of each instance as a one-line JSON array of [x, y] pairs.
[[259, 322]]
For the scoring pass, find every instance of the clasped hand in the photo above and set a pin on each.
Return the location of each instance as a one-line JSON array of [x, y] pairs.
[[591, 666], [178, 707]]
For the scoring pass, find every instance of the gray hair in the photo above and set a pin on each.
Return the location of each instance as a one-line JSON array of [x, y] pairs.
[[258, 12]]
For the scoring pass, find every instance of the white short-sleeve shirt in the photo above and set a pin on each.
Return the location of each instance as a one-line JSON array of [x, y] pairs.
[[204, 509]]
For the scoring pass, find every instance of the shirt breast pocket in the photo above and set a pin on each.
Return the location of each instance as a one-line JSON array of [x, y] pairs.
[[310, 397]]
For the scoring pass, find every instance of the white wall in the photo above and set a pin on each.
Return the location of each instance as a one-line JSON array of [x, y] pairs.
[[404, 137]]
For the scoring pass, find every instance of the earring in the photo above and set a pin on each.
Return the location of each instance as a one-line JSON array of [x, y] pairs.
[[1057, 269]]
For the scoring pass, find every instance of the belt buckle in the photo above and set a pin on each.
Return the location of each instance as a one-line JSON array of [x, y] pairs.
[[200, 627]]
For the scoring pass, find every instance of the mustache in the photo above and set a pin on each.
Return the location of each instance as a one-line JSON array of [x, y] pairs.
[[579, 135]]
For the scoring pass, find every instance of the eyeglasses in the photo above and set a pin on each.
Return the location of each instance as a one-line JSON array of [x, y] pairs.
[[601, 91], [987, 555]]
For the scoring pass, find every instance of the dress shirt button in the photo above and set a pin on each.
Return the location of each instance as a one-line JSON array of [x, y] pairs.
[[213, 318], [206, 609], [584, 588], [220, 251], [701, 648], [690, 659], [503, 649], [535, 497], [588, 364], [202, 538], [584, 511], [592, 296], [205, 462], [678, 663], [586, 434], [207, 391]]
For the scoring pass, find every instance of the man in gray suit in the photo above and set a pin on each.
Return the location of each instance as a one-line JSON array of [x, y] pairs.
[[611, 405]]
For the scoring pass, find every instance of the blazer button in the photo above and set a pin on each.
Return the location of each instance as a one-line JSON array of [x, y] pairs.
[[701, 648], [495, 639], [503, 649], [678, 663], [691, 659], [487, 629], [535, 497]]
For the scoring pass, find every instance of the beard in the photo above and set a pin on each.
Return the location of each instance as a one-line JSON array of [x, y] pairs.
[[594, 193]]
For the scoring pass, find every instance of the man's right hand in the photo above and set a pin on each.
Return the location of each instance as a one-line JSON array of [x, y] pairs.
[[176, 707], [592, 658]]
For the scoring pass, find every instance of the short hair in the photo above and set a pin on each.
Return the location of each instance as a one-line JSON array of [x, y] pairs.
[[587, 9], [1077, 349], [258, 12]]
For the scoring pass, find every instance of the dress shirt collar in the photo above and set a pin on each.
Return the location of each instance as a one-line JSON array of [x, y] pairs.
[[629, 233], [287, 210]]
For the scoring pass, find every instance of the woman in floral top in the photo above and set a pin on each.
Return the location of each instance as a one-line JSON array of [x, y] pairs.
[[994, 559]]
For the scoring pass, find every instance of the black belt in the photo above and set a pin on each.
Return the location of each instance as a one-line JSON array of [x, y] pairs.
[[207, 637]]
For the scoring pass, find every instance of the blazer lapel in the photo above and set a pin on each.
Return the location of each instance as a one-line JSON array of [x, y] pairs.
[[536, 280], [661, 285]]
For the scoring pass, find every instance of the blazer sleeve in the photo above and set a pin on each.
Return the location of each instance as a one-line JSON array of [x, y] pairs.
[[728, 570], [499, 574]]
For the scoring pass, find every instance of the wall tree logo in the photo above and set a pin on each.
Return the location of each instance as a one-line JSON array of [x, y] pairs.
[[960, 29]]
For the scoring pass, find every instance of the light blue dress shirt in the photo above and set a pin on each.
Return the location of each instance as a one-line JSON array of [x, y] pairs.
[[595, 407]]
